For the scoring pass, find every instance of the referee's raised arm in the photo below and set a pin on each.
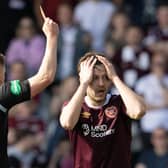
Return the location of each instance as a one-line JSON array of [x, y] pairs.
[[47, 70]]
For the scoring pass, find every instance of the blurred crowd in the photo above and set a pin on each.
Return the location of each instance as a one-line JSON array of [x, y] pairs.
[[134, 37]]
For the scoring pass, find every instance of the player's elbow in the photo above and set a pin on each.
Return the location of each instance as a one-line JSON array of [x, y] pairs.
[[138, 115], [138, 112], [66, 123]]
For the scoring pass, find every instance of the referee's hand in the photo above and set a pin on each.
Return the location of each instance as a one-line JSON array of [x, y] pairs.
[[50, 28]]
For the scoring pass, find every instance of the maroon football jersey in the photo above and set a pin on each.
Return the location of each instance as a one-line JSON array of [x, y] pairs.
[[102, 136]]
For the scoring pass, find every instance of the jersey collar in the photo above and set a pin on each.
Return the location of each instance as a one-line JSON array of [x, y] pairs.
[[88, 102]]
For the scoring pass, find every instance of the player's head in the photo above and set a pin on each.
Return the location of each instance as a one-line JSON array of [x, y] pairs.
[[2, 68], [99, 86]]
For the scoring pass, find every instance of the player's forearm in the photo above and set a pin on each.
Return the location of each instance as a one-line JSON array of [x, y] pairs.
[[71, 112], [47, 69], [135, 105]]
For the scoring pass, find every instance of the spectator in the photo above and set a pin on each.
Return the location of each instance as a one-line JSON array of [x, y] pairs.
[[114, 38], [160, 31], [157, 157], [95, 20], [18, 70], [28, 46], [54, 131], [72, 43], [154, 88], [117, 29], [62, 156], [134, 58], [26, 117], [110, 50], [51, 6], [22, 150], [11, 11]]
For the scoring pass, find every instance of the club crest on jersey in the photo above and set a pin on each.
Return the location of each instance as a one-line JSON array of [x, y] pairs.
[[85, 114], [111, 112]]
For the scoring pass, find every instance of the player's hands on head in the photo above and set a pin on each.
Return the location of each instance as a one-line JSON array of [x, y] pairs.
[[111, 73], [50, 28], [86, 70]]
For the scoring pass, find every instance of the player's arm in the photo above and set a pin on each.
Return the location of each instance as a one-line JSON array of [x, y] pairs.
[[71, 112], [47, 70], [135, 104]]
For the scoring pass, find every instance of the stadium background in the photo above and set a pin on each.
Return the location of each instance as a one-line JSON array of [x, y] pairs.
[[129, 32]]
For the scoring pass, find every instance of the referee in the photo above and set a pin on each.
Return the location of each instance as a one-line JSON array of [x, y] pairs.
[[14, 92]]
